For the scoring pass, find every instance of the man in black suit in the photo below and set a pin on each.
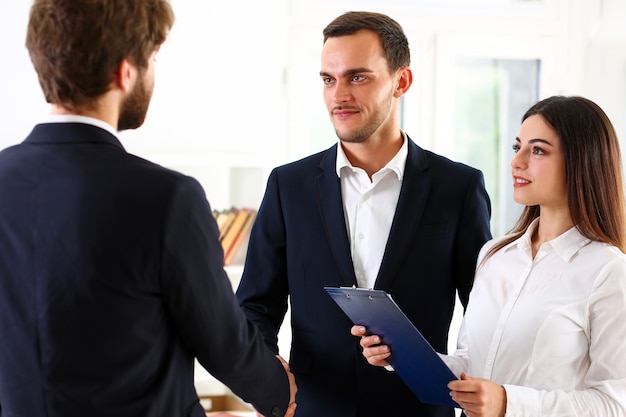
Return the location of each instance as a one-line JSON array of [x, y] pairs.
[[111, 272], [374, 210]]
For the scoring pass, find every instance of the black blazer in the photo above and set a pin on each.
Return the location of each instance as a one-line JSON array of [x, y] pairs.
[[111, 282], [299, 244]]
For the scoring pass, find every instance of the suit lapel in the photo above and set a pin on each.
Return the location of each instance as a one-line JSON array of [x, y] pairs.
[[328, 194], [411, 202]]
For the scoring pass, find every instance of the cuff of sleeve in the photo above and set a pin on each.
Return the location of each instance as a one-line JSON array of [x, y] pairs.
[[521, 401], [389, 368]]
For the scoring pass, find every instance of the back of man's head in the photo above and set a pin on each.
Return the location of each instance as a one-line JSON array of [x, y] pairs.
[[77, 45]]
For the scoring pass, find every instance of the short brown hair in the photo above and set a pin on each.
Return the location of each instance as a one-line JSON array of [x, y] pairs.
[[392, 38], [76, 45]]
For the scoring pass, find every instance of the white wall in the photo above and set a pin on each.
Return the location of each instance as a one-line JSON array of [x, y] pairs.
[[21, 101]]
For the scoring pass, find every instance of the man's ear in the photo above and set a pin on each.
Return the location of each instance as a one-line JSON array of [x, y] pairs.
[[125, 76], [404, 81]]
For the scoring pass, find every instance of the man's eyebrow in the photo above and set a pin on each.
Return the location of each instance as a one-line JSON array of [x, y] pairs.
[[351, 71]]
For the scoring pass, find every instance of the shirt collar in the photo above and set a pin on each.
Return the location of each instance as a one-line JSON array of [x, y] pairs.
[[565, 245], [396, 164], [75, 118]]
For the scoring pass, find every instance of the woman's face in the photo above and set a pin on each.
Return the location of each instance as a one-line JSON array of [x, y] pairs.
[[538, 167]]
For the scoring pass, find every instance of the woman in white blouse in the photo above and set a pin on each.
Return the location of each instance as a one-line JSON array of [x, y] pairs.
[[544, 333]]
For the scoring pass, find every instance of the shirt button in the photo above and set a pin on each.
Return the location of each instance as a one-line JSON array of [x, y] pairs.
[[361, 236]]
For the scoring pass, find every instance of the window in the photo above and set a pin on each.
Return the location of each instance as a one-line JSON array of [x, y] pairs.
[[483, 87], [491, 95]]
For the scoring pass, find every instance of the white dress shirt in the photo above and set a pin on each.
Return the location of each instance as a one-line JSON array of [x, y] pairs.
[[369, 208], [551, 330], [75, 118]]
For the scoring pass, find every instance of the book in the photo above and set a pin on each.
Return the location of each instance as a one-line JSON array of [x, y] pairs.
[[239, 219], [239, 245], [224, 219], [412, 357]]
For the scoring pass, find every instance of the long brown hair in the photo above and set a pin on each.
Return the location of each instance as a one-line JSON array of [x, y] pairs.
[[593, 170]]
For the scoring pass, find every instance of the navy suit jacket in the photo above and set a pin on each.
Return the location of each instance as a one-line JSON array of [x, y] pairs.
[[111, 282], [299, 244]]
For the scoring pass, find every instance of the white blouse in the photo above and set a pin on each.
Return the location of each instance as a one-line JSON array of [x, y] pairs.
[[551, 330]]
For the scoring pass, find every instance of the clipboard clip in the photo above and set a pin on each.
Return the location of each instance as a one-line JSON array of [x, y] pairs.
[[354, 287]]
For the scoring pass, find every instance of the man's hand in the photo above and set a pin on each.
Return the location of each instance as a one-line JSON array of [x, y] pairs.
[[375, 353], [291, 409]]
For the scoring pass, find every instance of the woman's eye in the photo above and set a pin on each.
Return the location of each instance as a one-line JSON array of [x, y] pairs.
[[538, 151], [515, 148]]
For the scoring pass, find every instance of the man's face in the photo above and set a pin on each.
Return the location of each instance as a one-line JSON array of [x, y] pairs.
[[135, 107], [358, 86]]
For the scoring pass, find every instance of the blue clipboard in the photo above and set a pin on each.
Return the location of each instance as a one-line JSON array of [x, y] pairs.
[[412, 357]]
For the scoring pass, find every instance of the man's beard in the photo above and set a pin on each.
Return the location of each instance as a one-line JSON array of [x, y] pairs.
[[373, 124], [135, 107]]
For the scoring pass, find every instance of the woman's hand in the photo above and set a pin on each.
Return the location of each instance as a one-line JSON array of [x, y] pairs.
[[479, 397]]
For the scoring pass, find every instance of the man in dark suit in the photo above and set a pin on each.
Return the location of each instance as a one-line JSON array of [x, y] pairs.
[[375, 210], [111, 272]]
